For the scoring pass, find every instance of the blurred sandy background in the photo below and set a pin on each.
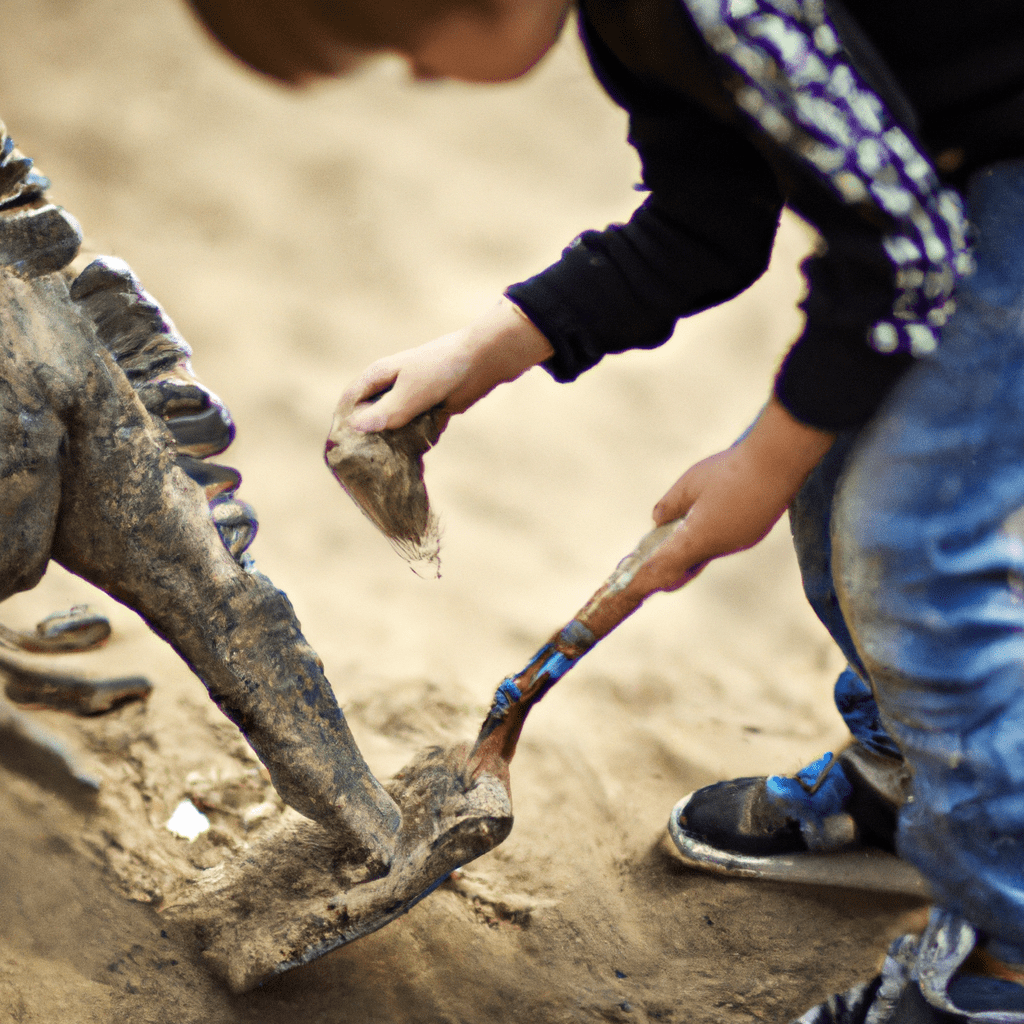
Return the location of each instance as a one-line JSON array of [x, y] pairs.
[[293, 238]]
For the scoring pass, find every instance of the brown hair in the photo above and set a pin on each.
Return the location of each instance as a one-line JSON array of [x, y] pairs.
[[294, 40]]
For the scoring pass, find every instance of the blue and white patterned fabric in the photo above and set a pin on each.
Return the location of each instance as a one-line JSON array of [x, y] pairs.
[[789, 74], [932, 963]]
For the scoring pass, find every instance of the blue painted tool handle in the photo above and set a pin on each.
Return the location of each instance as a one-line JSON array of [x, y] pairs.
[[618, 597]]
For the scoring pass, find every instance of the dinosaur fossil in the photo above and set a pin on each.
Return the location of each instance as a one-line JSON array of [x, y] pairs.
[[104, 432]]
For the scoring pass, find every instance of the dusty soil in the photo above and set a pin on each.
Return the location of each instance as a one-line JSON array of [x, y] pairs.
[[293, 238]]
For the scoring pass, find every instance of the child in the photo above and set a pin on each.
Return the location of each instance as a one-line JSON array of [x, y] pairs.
[[892, 434]]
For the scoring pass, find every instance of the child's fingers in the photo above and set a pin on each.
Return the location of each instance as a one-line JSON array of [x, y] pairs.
[[679, 498], [675, 504], [675, 562], [373, 400], [396, 403], [382, 414], [373, 381]]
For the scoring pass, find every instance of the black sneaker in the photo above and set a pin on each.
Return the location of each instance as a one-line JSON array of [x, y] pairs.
[[833, 823]]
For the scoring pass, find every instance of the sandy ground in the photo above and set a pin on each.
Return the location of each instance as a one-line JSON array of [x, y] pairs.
[[293, 239]]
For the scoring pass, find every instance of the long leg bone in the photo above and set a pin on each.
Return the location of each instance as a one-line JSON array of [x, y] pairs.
[[88, 476], [37, 237], [131, 522]]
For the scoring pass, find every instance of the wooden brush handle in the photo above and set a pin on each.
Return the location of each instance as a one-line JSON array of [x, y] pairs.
[[616, 599]]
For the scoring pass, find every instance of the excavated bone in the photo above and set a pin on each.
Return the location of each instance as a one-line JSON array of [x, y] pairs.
[[382, 473]]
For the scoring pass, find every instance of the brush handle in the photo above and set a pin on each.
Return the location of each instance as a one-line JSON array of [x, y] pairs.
[[616, 599]]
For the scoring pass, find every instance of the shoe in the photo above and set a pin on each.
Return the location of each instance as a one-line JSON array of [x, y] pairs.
[[833, 823], [922, 982]]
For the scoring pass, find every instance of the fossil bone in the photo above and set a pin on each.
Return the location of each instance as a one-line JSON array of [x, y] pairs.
[[99, 472]]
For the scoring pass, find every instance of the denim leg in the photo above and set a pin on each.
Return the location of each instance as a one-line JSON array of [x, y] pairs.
[[928, 563], [810, 520]]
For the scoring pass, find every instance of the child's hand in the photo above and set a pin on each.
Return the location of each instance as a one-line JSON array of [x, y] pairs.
[[453, 371], [731, 500]]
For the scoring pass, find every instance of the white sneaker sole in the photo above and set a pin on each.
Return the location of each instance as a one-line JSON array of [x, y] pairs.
[[869, 869]]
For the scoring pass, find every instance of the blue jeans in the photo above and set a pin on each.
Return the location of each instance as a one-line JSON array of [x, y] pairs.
[[910, 536]]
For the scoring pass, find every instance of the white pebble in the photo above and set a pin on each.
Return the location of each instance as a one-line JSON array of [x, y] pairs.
[[187, 822]]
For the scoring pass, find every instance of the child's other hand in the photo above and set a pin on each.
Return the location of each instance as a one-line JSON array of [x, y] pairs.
[[731, 500], [453, 371]]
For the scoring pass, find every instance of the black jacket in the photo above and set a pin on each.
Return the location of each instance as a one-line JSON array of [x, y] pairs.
[[955, 71]]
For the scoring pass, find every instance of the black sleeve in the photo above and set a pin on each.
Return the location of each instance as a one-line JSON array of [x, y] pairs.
[[703, 235], [831, 377]]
